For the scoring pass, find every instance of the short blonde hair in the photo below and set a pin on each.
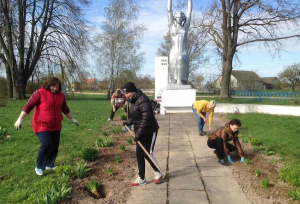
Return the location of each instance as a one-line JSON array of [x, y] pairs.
[[212, 104]]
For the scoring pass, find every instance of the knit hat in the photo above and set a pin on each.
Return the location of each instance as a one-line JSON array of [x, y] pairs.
[[129, 87]]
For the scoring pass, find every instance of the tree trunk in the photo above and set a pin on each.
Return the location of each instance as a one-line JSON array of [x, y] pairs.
[[19, 87], [9, 81], [108, 92], [226, 74]]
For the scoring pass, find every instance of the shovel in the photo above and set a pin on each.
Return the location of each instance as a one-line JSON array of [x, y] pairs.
[[153, 159], [127, 119]]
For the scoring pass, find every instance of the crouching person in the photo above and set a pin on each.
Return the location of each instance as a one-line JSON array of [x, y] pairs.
[[218, 141]]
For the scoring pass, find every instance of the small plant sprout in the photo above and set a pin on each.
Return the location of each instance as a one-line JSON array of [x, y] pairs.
[[103, 142], [82, 169], [117, 159], [90, 154], [255, 141], [93, 187], [246, 161], [110, 171], [129, 140], [122, 148], [265, 183], [257, 172], [268, 153]]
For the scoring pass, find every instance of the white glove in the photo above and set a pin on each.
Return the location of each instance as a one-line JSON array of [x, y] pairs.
[[18, 123], [75, 121]]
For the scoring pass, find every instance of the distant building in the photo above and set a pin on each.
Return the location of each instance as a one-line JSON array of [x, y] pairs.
[[271, 82], [243, 80], [91, 84]]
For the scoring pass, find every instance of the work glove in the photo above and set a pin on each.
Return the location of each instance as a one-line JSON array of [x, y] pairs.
[[230, 160], [126, 123], [242, 160], [136, 139], [75, 121], [18, 123]]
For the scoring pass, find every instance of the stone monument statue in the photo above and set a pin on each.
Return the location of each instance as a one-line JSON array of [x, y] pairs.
[[179, 57]]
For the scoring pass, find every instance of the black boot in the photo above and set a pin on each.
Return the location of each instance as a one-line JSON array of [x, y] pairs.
[[223, 162]]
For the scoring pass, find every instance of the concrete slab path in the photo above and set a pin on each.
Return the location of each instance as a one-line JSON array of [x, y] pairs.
[[193, 174]]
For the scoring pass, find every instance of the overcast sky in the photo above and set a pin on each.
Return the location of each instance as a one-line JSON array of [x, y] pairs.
[[153, 15]]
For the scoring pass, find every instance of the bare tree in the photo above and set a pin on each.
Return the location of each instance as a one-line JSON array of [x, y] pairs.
[[234, 23], [35, 30], [291, 75], [119, 43]]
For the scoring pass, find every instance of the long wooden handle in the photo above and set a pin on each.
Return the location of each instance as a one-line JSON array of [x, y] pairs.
[[150, 156], [127, 111]]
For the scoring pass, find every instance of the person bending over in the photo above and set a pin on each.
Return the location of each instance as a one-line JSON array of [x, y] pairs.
[[200, 108], [218, 140], [118, 99]]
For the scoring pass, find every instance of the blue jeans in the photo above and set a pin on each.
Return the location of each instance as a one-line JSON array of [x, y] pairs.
[[200, 121], [48, 149]]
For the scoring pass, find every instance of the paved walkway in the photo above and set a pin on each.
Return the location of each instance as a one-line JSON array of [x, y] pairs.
[[193, 172]]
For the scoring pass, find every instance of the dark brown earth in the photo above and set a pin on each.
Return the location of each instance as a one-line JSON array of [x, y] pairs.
[[116, 188]]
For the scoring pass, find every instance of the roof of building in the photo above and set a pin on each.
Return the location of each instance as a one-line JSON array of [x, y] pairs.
[[245, 75], [269, 80]]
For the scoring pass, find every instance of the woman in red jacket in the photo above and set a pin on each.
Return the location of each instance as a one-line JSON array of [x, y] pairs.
[[48, 102]]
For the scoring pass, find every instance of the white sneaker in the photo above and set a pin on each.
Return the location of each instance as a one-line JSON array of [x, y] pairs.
[[108, 119], [157, 177], [51, 168], [138, 181], [39, 172]]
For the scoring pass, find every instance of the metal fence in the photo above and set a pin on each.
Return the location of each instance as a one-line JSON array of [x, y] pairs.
[[264, 95]]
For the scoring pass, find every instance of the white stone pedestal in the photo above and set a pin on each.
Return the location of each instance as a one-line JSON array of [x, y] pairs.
[[177, 101], [161, 75], [173, 98]]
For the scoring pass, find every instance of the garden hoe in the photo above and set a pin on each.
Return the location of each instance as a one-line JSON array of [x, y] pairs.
[[153, 159]]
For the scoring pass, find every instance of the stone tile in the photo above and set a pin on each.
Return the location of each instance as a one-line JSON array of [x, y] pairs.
[[187, 197], [180, 138], [146, 196], [215, 171], [230, 197], [180, 148], [182, 155], [207, 161], [180, 143], [175, 162], [185, 178], [216, 185]]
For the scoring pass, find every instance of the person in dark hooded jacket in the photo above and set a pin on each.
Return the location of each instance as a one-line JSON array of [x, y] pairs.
[[145, 127]]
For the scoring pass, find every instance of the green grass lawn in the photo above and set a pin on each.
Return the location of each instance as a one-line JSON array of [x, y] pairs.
[[277, 133], [18, 153]]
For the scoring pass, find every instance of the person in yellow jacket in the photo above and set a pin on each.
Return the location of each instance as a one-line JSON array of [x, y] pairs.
[[200, 108]]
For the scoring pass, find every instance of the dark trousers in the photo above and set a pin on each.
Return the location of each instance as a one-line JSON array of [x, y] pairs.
[[218, 145], [148, 141], [112, 113], [48, 149]]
